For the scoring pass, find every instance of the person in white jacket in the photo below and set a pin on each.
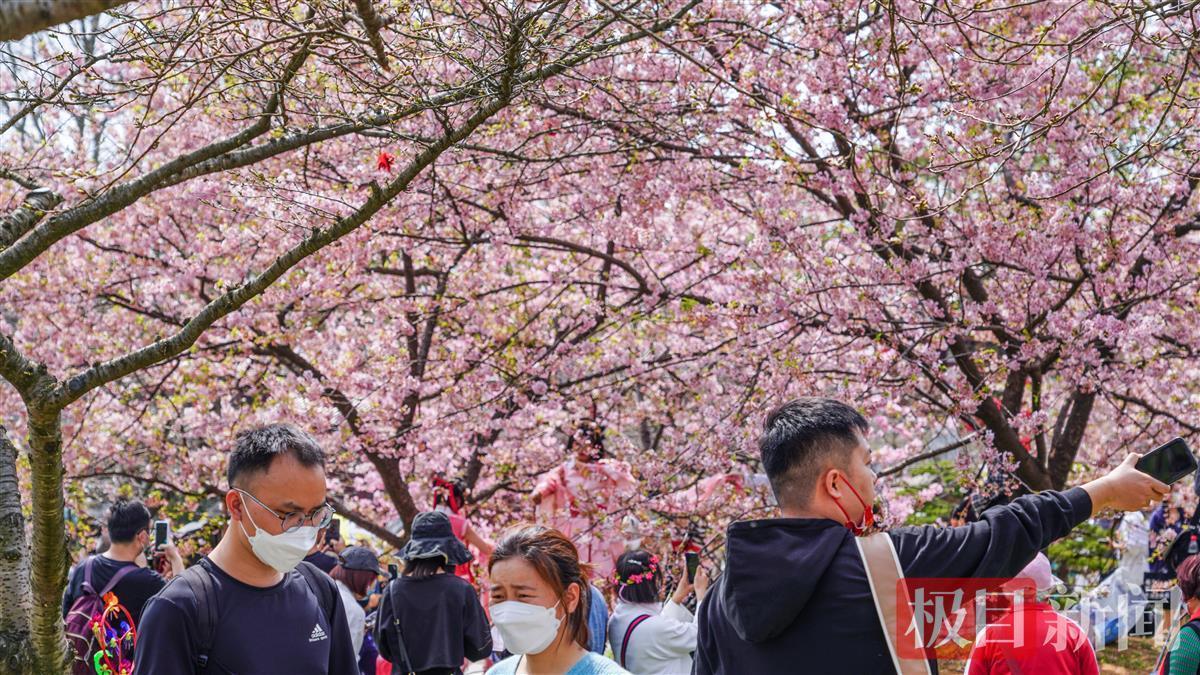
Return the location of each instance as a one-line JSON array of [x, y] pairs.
[[649, 637]]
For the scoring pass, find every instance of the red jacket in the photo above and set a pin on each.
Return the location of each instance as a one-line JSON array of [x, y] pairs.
[[1033, 639]]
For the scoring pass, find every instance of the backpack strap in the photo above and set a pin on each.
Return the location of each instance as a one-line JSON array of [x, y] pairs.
[[87, 575], [628, 632], [405, 663], [322, 586], [198, 579], [87, 586], [112, 583], [884, 576]]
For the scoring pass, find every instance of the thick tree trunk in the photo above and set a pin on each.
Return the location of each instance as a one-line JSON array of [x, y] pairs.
[[19, 18], [15, 655], [49, 541], [396, 488]]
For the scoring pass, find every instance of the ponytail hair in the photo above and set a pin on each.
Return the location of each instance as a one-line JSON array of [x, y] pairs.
[[556, 561]]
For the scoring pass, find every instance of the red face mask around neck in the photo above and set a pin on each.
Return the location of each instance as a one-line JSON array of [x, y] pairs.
[[868, 514]]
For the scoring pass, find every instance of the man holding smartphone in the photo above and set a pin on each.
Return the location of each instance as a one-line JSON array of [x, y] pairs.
[[796, 594], [129, 530]]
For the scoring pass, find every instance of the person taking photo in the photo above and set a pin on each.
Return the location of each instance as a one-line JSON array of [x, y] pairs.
[[795, 593]]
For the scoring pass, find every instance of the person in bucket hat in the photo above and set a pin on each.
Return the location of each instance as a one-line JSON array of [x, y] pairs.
[[433, 538], [430, 619]]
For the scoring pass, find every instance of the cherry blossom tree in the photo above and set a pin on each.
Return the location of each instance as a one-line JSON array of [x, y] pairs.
[[205, 154], [976, 223], [988, 213], [466, 341], [1012, 217]]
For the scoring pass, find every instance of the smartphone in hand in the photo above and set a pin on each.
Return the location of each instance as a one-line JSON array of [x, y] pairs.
[[693, 564], [334, 531], [161, 529], [1169, 462]]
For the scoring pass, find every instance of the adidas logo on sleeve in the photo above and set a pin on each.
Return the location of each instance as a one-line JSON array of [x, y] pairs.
[[318, 634]]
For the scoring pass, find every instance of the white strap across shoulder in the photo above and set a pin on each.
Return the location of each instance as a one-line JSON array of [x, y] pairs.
[[883, 573]]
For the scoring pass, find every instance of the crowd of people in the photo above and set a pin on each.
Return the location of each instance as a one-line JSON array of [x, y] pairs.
[[802, 592]]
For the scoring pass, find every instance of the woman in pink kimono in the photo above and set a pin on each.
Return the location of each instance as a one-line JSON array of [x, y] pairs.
[[578, 497]]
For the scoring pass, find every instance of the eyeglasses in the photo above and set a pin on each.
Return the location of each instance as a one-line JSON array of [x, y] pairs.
[[320, 517]]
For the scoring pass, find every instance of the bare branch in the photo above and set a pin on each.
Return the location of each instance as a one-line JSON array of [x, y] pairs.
[[15, 368], [16, 224], [19, 18], [205, 490], [580, 248], [373, 24]]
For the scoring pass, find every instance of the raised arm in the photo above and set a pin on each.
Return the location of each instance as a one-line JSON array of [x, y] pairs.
[[1008, 537]]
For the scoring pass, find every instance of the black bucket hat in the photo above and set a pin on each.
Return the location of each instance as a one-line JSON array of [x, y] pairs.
[[433, 537]]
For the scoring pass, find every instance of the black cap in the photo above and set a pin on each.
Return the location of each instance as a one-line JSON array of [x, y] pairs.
[[359, 558]]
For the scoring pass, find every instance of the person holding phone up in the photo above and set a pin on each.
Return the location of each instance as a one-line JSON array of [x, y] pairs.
[[648, 636], [131, 532], [796, 591]]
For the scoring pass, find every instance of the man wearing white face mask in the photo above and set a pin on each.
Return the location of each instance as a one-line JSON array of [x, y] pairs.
[[252, 606]]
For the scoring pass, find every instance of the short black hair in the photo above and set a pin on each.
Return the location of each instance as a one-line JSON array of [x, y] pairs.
[[798, 439], [126, 518], [256, 448], [633, 563]]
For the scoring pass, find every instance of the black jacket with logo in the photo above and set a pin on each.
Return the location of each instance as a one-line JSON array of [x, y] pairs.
[[794, 597]]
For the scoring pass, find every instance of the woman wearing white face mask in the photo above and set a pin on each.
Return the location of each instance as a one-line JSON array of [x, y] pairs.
[[539, 606]]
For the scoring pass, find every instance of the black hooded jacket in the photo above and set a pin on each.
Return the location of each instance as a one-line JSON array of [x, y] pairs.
[[794, 596]]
